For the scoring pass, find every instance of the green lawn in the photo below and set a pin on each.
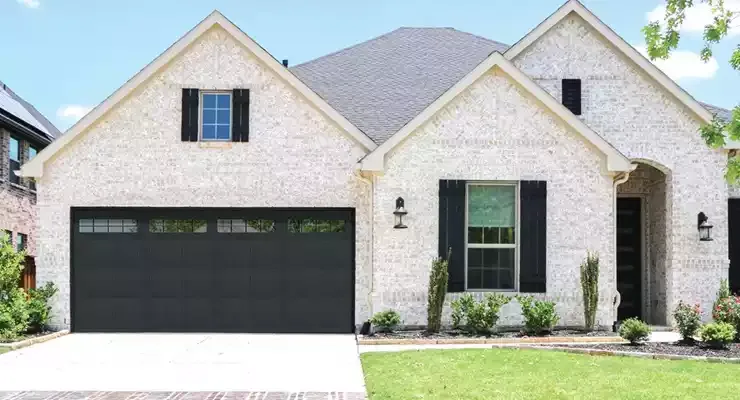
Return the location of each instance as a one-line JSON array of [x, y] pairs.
[[532, 374], [4, 350]]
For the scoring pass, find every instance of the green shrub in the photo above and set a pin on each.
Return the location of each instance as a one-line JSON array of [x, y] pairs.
[[717, 335], [688, 320], [437, 291], [590, 288], [386, 320], [539, 315], [13, 314], [13, 303], [727, 310], [477, 317], [38, 307], [634, 330]]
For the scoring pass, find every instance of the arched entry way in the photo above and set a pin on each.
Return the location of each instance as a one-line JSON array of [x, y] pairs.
[[643, 226]]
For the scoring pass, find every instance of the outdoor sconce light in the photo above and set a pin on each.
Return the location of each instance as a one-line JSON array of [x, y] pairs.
[[705, 228], [399, 213]]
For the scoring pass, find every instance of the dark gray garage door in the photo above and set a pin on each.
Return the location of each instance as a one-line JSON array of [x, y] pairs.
[[212, 270]]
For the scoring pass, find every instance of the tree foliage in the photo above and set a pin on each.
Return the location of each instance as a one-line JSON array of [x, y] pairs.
[[662, 38]]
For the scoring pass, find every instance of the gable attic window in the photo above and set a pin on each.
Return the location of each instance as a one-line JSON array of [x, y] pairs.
[[572, 95], [215, 116], [15, 160]]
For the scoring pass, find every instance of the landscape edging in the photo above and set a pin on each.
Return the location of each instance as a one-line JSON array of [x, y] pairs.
[[524, 340], [34, 340], [617, 353]]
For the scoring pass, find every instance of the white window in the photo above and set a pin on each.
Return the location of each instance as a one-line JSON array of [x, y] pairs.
[[491, 236], [215, 116]]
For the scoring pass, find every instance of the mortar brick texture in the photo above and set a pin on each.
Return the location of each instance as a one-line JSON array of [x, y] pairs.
[[494, 131], [295, 157], [17, 202], [648, 125]]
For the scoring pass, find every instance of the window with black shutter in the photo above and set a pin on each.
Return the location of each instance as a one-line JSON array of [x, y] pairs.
[[572, 95], [15, 160], [499, 231], [491, 238]]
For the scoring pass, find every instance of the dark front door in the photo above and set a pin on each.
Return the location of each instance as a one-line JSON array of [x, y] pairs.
[[629, 257], [213, 270], [734, 240]]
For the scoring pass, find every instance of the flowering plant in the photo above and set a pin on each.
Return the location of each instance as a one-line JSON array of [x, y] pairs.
[[688, 320], [728, 310]]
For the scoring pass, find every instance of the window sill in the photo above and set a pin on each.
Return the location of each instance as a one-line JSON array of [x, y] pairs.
[[23, 188], [215, 145]]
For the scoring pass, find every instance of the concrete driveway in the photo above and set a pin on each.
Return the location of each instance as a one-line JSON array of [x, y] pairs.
[[186, 362]]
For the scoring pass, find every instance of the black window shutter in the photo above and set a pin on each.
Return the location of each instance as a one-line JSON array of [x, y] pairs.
[[533, 236], [240, 123], [452, 231], [572, 95], [190, 115]]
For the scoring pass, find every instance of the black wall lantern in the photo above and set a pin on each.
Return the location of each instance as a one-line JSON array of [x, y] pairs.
[[399, 213], [705, 228]]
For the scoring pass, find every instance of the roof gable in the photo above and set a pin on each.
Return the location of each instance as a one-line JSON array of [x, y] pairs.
[[34, 168], [615, 161], [575, 6]]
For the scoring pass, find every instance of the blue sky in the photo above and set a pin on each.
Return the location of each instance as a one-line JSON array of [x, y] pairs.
[[65, 56]]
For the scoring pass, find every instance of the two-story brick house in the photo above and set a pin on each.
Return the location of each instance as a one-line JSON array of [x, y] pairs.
[[24, 132]]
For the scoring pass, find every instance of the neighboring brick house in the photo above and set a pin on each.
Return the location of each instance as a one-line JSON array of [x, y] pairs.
[[23, 133], [218, 190]]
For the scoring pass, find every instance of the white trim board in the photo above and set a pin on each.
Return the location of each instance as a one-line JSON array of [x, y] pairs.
[[615, 160], [35, 168], [575, 6]]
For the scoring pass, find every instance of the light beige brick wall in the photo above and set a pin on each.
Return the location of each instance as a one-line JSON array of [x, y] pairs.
[[134, 157], [644, 122], [494, 131]]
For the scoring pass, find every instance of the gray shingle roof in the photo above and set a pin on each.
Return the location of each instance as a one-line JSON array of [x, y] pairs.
[[720, 112], [381, 84], [14, 104]]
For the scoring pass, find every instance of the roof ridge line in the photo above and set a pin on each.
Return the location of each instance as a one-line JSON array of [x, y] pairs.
[[345, 48]]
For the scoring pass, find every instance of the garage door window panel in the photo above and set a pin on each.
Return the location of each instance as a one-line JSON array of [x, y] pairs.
[[311, 225], [178, 226], [106, 225], [245, 226]]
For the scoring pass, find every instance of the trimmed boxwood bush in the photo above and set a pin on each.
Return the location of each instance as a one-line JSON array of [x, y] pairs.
[[717, 335], [539, 315], [386, 320], [634, 331], [477, 317]]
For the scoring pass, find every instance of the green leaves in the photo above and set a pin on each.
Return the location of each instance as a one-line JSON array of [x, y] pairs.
[[735, 58]]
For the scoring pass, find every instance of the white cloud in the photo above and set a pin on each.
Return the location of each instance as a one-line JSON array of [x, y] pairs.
[[30, 3], [685, 64], [73, 112], [698, 16]]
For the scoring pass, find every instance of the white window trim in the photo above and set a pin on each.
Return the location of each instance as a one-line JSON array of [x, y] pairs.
[[200, 115], [517, 229]]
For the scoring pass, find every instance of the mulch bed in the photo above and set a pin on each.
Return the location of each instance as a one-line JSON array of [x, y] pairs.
[[454, 334], [678, 348], [25, 337]]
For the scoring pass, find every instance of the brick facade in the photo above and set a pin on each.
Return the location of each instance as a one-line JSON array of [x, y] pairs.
[[17, 202]]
